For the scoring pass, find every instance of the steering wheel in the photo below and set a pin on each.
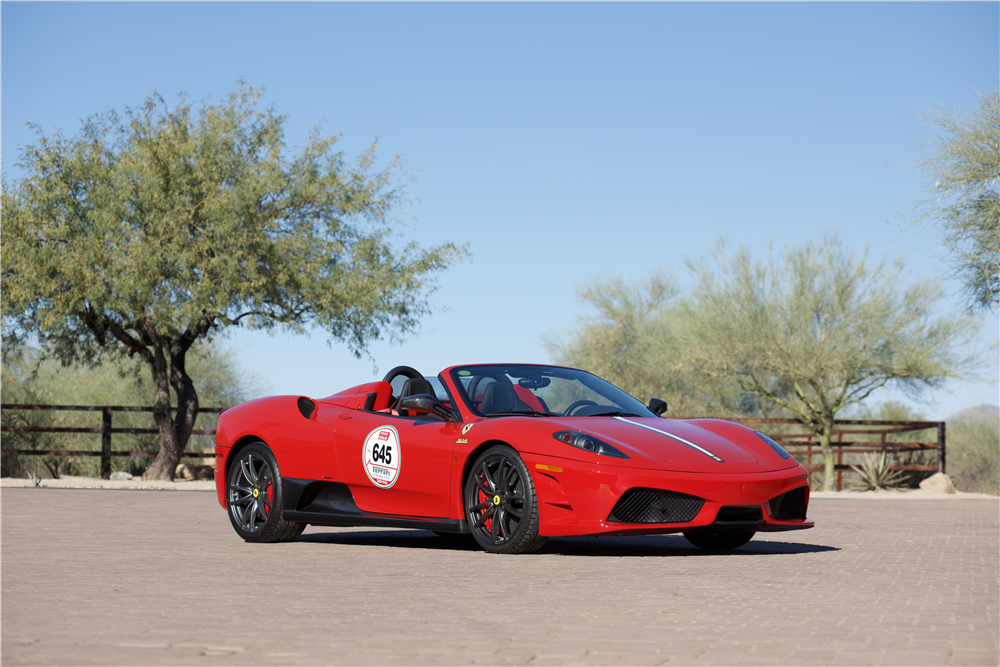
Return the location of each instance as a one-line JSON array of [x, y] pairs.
[[578, 404], [405, 371]]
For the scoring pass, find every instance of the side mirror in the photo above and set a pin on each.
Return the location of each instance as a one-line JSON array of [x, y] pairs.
[[427, 403], [658, 406]]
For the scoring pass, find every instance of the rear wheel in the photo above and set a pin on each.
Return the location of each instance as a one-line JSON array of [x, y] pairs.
[[721, 541], [254, 498], [500, 503]]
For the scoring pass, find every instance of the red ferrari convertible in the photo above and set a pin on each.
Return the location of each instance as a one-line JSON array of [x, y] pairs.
[[511, 453]]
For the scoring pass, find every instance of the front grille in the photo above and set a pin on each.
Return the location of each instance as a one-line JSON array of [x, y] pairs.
[[739, 513], [655, 506], [790, 506]]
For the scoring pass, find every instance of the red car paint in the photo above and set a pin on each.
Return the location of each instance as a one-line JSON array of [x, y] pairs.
[[576, 489]]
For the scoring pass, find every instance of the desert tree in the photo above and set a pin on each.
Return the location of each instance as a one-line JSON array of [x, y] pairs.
[[816, 329], [962, 165], [634, 339], [163, 226]]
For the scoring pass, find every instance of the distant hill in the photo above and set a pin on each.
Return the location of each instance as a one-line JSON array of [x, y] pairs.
[[978, 412]]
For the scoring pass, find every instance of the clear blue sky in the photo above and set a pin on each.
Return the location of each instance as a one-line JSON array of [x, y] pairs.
[[560, 141]]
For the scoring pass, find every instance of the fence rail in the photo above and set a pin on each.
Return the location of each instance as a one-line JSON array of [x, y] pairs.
[[800, 444], [105, 429], [803, 444]]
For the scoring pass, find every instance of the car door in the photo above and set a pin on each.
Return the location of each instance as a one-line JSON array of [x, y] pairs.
[[397, 465]]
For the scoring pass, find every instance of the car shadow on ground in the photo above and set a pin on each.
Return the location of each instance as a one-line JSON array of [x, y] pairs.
[[613, 546]]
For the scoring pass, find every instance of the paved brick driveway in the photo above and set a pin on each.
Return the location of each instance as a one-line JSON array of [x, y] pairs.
[[144, 577]]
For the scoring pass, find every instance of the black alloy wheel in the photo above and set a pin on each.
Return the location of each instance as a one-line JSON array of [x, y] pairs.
[[718, 541], [500, 503], [253, 497]]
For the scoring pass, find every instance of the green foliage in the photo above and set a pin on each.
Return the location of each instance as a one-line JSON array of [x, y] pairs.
[[974, 454], [31, 379], [876, 474], [159, 227], [636, 342], [802, 334], [963, 168], [817, 329]]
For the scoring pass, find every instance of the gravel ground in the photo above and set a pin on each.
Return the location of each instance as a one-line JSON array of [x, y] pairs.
[[67, 482], [909, 494], [209, 485]]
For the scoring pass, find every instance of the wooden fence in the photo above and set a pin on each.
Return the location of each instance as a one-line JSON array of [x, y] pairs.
[[105, 429], [792, 434]]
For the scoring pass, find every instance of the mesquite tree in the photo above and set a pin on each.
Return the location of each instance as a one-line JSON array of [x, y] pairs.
[[817, 329], [159, 227], [962, 164]]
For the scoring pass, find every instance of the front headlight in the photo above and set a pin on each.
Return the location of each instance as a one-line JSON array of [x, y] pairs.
[[775, 446], [589, 443]]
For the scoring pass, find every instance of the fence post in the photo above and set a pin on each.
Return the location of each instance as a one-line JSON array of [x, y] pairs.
[[840, 461], [941, 461], [106, 444]]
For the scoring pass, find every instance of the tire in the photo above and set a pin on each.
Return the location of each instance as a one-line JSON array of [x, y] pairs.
[[500, 503], [254, 497], [722, 541]]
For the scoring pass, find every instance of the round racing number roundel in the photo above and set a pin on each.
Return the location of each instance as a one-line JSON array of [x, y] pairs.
[[382, 457]]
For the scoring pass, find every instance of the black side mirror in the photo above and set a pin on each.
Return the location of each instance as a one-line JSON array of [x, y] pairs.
[[427, 403], [658, 406]]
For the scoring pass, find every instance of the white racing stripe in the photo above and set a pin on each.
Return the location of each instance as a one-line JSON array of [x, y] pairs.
[[671, 435]]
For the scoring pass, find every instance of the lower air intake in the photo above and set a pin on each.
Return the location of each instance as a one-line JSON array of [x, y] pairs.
[[655, 506], [790, 506]]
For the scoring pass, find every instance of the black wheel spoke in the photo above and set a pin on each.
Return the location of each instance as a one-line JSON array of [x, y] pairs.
[[508, 509], [482, 487], [512, 472], [489, 479], [480, 507], [502, 525], [481, 519], [247, 467]]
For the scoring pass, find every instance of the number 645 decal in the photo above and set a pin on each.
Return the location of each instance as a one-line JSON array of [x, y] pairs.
[[382, 456]]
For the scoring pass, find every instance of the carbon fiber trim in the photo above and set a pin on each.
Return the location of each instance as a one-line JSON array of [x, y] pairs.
[[655, 506]]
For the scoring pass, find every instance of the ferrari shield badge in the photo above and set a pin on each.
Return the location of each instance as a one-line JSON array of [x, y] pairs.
[[382, 456]]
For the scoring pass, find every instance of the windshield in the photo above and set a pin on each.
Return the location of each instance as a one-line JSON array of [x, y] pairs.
[[542, 390]]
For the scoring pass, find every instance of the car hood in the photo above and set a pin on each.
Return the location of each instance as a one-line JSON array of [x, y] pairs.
[[683, 446]]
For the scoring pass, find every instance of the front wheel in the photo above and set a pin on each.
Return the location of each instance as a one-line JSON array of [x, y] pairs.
[[254, 498], [500, 503], [721, 541]]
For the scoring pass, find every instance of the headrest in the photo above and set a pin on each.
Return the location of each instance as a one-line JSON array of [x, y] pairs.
[[415, 386], [499, 397]]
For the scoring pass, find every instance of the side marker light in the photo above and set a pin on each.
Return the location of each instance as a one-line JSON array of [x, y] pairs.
[[542, 466]]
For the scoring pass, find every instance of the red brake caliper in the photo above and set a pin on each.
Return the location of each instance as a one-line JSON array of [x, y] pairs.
[[270, 497], [488, 524]]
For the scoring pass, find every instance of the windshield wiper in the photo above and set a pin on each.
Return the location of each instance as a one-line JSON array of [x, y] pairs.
[[532, 413], [614, 414]]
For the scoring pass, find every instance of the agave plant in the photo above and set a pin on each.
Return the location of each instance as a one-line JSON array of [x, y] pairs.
[[876, 473], [34, 479]]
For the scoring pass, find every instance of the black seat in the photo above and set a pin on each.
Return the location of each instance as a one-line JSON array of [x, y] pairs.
[[500, 397], [412, 387]]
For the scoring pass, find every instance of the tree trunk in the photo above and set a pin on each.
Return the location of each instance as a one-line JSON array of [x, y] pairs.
[[825, 435], [174, 432], [169, 456]]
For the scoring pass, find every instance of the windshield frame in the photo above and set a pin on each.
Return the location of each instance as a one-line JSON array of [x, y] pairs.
[[600, 386]]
